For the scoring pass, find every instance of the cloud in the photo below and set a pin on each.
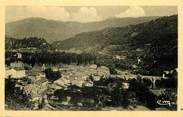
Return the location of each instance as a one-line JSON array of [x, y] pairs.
[[132, 11], [86, 14], [55, 13], [83, 14]]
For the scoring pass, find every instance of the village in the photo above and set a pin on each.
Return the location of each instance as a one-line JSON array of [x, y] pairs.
[[34, 83]]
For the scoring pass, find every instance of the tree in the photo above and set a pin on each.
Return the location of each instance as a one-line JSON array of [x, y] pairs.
[[52, 75]]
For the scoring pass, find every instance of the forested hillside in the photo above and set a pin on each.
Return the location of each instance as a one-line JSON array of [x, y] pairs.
[[31, 42], [155, 42]]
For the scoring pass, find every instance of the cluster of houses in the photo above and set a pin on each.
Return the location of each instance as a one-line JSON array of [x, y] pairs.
[[80, 75], [33, 81]]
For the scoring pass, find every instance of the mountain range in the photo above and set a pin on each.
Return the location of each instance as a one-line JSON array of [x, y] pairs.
[[133, 36], [52, 30]]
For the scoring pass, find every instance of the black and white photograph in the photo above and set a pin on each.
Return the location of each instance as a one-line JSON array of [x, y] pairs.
[[91, 58]]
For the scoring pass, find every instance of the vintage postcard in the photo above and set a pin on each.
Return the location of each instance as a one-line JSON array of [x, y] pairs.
[[104, 58]]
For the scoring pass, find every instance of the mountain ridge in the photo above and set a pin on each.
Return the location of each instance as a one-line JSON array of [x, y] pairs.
[[118, 33], [52, 30]]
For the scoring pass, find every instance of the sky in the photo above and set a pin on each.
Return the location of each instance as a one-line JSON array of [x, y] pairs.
[[85, 13]]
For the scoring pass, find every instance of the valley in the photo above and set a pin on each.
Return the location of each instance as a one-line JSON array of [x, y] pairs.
[[117, 64]]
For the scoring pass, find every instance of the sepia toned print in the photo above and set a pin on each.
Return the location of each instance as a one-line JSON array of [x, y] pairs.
[[91, 58]]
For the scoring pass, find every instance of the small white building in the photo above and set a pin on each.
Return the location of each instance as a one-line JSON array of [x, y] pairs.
[[19, 55], [93, 66], [15, 73], [40, 75], [125, 85], [120, 57], [17, 64]]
